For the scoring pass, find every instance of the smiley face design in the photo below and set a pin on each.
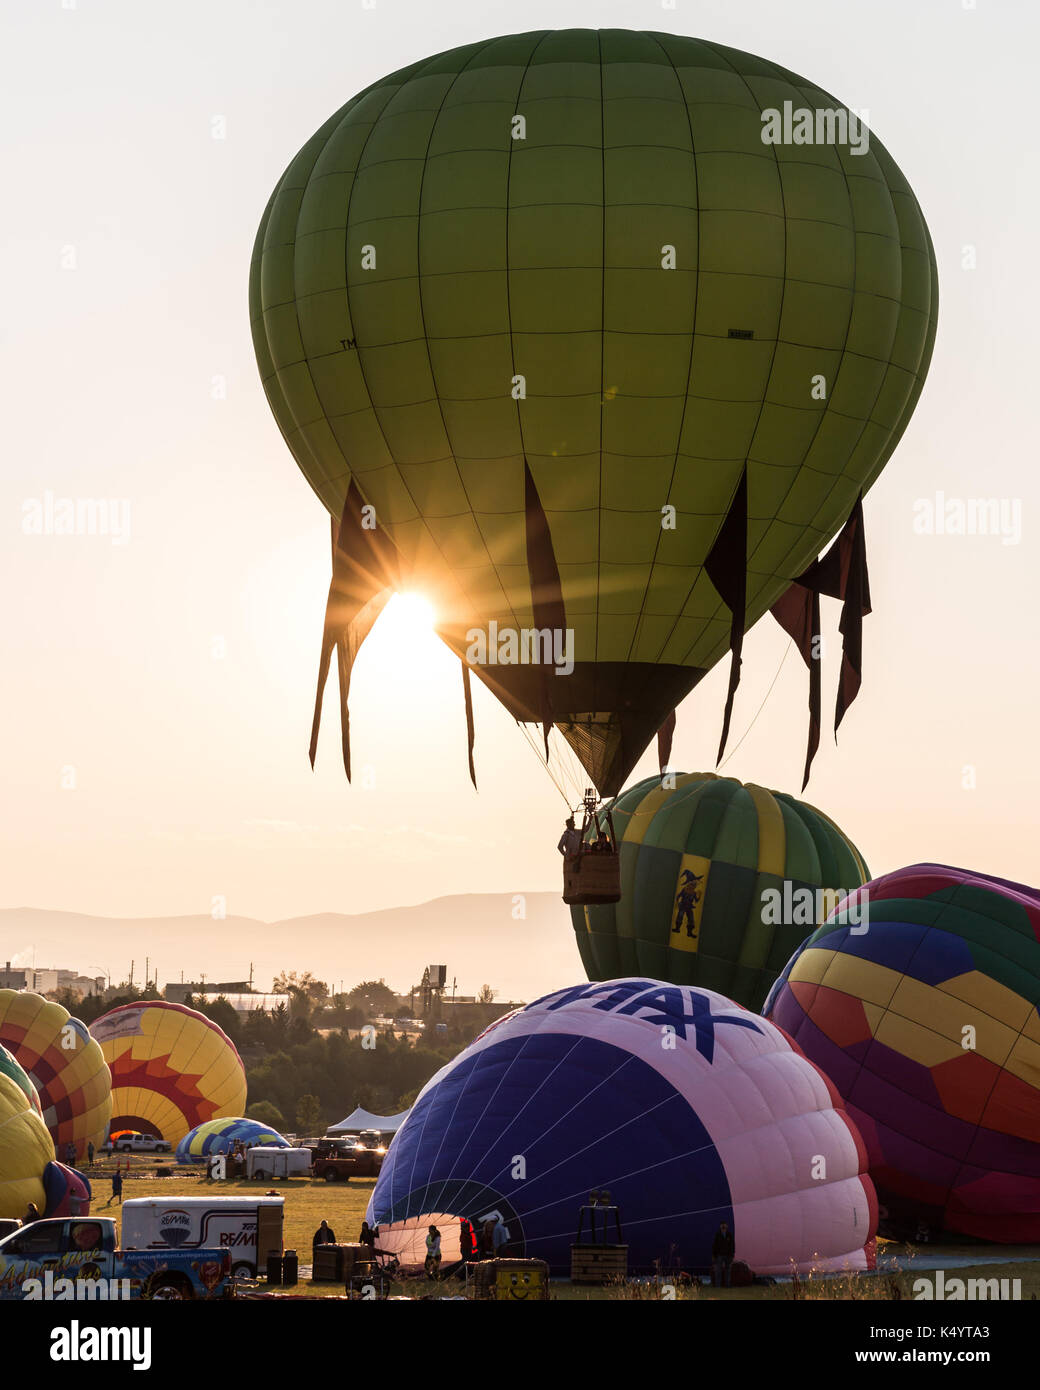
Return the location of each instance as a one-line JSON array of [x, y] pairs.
[[520, 1284]]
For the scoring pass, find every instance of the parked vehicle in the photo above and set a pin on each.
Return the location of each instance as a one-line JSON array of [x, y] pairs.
[[332, 1145], [137, 1144], [376, 1139], [247, 1227], [55, 1258], [342, 1165], [267, 1162]]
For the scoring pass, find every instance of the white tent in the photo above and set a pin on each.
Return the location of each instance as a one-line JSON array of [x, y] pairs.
[[360, 1119]]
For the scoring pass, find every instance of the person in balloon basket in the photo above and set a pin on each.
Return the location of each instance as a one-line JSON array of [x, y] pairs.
[[324, 1235], [570, 840], [721, 1257], [433, 1253]]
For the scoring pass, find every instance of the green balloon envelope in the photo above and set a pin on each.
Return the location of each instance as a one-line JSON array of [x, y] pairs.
[[574, 250], [719, 885]]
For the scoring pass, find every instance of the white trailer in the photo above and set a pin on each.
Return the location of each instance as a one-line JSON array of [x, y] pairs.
[[267, 1161], [249, 1227]]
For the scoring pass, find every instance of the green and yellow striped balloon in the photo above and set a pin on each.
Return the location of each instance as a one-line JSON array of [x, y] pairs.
[[718, 879]]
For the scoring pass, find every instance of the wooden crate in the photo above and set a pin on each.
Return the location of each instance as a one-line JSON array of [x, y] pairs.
[[596, 1264]]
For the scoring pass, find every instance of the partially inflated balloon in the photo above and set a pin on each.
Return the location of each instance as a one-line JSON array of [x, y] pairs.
[[172, 1068], [689, 1110], [556, 311], [64, 1062], [924, 1013], [220, 1137], [25, 1145], [720, 882], [68, 1191]]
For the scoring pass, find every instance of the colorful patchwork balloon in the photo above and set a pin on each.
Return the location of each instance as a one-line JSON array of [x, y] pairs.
[[66, 1065], [688, 1109], [924, 1014], [720, 882], [25, 1145], [220, 1136], [172, 1068]]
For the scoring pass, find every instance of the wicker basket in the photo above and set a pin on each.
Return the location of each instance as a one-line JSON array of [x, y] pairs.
[[596, 1264]]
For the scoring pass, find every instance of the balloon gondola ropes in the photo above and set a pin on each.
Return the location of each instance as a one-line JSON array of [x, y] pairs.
[[593, 875]]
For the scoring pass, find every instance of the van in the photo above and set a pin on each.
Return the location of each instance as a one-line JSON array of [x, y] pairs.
[[249, 1227], [266, 1162]]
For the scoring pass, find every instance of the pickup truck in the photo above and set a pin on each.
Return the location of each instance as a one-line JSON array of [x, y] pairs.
[[138, 1144], [343, 1164], [59, 1259]]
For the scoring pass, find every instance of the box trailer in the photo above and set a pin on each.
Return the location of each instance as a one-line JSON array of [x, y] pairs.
[[248, 1227], [266, 1161]]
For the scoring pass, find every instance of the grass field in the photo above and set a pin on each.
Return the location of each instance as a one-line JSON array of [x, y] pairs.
[[309, 1201]]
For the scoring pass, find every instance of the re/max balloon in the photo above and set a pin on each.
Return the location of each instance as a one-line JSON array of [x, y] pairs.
[[688, 1109], [920, 1000], [65, 1064], [172, 1068], [545, 312], [720, 882]]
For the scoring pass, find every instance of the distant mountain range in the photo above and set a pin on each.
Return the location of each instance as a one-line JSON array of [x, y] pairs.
[[477, 936]]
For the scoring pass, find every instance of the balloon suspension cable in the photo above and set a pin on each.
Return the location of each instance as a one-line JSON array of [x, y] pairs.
[[568, 780], [761, 707]]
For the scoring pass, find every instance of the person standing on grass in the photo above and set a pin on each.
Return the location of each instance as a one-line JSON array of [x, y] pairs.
[[467, 1245], [90, 1153], [487, 1239], [433, 1253], [500, 1239], [117, 1186], [721, 1257]]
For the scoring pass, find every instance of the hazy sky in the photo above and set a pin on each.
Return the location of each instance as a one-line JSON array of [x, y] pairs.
[[170, 676]]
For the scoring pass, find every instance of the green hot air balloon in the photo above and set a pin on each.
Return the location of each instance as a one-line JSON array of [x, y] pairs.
[[560, 338], [721, 882]]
